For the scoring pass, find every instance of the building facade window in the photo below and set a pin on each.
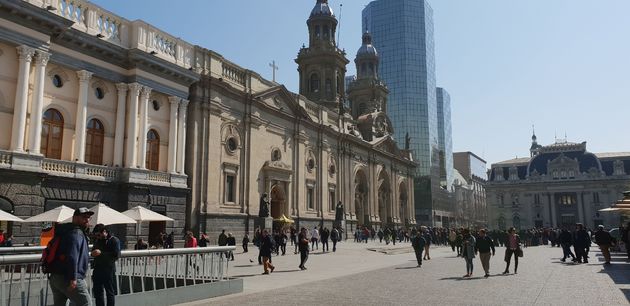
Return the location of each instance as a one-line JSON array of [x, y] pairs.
[[310, 197], [596, 197], [230, 188], [99, 93], [94, 142], [331, 199], [52, 134], [314, 83], [57, 81], [153, 151]]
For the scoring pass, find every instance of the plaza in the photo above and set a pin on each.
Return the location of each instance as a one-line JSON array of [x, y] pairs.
[[376, 274]]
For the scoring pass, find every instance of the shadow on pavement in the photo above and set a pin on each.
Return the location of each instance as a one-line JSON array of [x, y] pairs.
[[285, 271], [626, 292], [404, 268], [243, 275]]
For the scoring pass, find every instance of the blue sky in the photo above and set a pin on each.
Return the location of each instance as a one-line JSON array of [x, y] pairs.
[[561, 65]]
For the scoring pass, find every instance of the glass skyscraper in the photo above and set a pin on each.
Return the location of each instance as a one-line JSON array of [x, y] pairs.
[[445, 139], [402, 32]]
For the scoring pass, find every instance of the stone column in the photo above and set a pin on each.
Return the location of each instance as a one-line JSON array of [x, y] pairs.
[[21, 98], [181, 136], [119, 136], [143, 130], [554, 219], [172, 135], [35, 139], [80, 125], [132, 125]]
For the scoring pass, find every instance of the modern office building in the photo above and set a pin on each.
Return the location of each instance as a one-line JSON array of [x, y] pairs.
[[445, 137], [402, 31]]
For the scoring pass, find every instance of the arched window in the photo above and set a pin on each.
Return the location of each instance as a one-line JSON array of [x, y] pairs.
[[94, 142], [328, 86], [153, 150], [52, 134], [314, 82]]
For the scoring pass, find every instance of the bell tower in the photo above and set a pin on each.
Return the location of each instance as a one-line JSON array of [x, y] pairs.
[[322, 65]]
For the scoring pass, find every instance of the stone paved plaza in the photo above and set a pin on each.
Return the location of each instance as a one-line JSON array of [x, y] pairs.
[[375, 274]]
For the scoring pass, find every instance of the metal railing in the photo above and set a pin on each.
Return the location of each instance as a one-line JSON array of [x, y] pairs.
[[23, 283]]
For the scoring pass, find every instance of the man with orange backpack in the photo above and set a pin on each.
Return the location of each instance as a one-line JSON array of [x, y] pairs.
[[66, 259]]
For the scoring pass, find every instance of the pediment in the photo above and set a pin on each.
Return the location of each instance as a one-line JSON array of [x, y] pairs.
[[281, 99], [387, 144]]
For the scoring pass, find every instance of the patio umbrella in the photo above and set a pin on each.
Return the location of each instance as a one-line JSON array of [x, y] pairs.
[[140, 214], [5, 216], [105, 215], [58, 214], [610, 209]]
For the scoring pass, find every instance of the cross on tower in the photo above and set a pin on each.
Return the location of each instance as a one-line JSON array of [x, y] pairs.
[[274, 67]]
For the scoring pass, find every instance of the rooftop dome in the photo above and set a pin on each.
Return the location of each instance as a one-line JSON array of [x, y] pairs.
[[367, 49], [322, 9]]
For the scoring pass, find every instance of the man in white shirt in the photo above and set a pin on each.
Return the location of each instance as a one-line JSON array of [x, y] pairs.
[[314, 238]]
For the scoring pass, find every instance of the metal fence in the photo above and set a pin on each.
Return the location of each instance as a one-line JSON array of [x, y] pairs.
[[23, 283]]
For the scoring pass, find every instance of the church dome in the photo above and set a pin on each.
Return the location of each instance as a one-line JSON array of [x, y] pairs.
[[322, 9], [367, 49]]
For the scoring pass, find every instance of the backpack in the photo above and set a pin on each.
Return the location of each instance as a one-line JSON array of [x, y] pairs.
[[51, 257]]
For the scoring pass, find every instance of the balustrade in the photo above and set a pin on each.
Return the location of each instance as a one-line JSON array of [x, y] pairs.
[[234, 74]]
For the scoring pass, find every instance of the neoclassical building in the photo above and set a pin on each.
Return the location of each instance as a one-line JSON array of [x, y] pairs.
[[249, 136], [94, 109], [558, 185]]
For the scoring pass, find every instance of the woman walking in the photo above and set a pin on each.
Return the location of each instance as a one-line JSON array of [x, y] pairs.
[[468, 251], [512, 246]]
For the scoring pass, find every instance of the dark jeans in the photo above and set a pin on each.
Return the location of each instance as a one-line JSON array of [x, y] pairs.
[[566, 250], [104, 281], [508, 257], [419, 255], [303, 258], [325, 245], [244, 247], [283, 248], [581, 254], [335, 247]]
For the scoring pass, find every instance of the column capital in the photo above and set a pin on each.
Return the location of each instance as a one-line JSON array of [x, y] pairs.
[[146, 92], [42, 58], [84, 76], [122, 88], [173, 100], [184, 103], [25, 53], [135, 88]]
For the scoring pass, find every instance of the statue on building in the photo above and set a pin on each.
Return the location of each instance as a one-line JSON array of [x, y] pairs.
[[407, 141], [339, 212], [263, 211]]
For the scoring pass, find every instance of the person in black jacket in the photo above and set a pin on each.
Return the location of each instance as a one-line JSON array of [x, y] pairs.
[[566, 240], [604, 240], [266, 247], [67, 281], [483, 245], [581, 242], [324, 237], [106, 251], [303, 246], [418, 242], [231, 241]]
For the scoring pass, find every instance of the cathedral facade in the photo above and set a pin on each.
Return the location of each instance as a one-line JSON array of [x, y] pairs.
[[248, 136]]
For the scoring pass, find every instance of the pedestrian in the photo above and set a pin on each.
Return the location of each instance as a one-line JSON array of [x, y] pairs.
[[483, 245], [581, 242], [191, 241], [334, 237], [512, 247], [303, 245], [231, 241], [169, 243], [140, 245], [314, 238], [283, 242], [7, 240], [222, 241], [67, 278], [604, 240], [452, 236], [427, 245], [380, 235], [245, 242], [418, 242], [468, 251], [266, 247], [324, 235], [106, 251], [458, 242], [566, 240], [203, 241]]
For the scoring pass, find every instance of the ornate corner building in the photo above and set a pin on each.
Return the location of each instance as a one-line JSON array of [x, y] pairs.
[[557, 186]]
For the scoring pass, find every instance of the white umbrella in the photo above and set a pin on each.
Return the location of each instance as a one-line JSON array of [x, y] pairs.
[[610, 209], [58, 214], [140, 213], [5, 216], [106, 216]]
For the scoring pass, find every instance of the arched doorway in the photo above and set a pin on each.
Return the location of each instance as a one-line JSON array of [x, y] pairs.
[[360, 197], [153, 151], [277, 201], [52, 134], [384, 202], [402, 198], [94, 142]]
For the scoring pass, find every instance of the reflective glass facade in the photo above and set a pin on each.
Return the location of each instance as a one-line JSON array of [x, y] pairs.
[[402, 32], [445, 139]]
